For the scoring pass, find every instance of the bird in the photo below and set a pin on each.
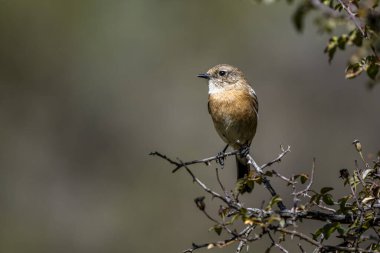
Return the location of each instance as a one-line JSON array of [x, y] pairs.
[[233, 106]]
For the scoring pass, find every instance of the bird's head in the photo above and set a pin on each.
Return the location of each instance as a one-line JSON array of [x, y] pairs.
[[223, 77]]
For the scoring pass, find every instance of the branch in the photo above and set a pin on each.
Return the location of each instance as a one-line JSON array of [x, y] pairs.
[[320, 245], [309, 215], [251, 161], [305, 191], [278, 159], [204, 161], [353, 18]]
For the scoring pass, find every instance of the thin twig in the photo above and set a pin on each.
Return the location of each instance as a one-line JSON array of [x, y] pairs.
[[274, 243], [278, 159], [353, 18], [320, 245], [304, 191], [204, 161], [219, 181]]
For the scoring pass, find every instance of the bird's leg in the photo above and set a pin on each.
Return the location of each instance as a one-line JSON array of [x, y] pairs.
[[220, 156], [244, 151]]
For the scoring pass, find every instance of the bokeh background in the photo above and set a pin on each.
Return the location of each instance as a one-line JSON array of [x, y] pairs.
[[89, 88]]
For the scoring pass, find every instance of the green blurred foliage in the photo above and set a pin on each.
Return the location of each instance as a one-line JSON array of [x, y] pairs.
[[88, 88], [360, 19]]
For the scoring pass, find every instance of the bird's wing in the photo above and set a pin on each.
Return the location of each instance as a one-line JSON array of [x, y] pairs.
[[255, 102]]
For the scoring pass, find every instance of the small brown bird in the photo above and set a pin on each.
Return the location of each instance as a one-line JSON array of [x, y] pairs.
[[233, 106]]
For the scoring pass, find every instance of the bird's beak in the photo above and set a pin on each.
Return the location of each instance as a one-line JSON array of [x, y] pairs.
[[205, 76]]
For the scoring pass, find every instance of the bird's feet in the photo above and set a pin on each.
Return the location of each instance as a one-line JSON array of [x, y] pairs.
[[244, 151], [221, 156]]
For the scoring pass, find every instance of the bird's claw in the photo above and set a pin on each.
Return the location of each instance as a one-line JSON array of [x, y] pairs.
[[220, 158], [244, 151]]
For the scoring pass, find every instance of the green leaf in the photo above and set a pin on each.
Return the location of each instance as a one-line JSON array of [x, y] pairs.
[[325, 190], [328, 199], [342, 205], [303, 178], [244, 185], [342, 40], [330, 228], [372, 70], [200, 203], [235, 217], [272, 202], [326, 230], [356, 38], [331, 47], [338, 7], [315, 198], [299, 16], [317, 233], [353, 70], [217, 228]]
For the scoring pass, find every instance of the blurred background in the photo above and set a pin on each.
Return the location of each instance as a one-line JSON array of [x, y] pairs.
[[89, 88]]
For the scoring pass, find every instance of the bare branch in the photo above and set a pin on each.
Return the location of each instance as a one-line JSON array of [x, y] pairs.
[[204, 161], [278, 159], [306, 190]]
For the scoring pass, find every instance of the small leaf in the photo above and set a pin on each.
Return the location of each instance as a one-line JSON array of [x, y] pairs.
[[326, 230], [235, 217], [342, 205], [326, 190], [317, 233], [272, 202], [299, 16], [338, 7], [366, 172], [353, 70], [315, 198], [217, 228], [304, 178], [367, 199], [200, 203], [356, 38], [330, 228], [342, 40], [372, 70], [328, 199], [331, 47], [244, 185]]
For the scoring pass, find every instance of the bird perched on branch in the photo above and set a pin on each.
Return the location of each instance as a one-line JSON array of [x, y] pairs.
[[233, 106]]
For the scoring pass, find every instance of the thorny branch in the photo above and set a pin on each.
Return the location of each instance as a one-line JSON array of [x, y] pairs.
[[347, 6], [351, 217]]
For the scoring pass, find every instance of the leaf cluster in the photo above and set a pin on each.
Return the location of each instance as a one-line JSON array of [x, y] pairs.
[[360, 21]]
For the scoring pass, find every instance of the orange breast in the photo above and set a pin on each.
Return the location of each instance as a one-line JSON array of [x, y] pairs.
[[234, 115]]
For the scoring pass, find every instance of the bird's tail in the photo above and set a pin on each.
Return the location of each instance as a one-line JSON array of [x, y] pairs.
[[242, 166]]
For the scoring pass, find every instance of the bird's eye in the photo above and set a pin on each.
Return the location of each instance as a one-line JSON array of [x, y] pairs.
[[222, 73]]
